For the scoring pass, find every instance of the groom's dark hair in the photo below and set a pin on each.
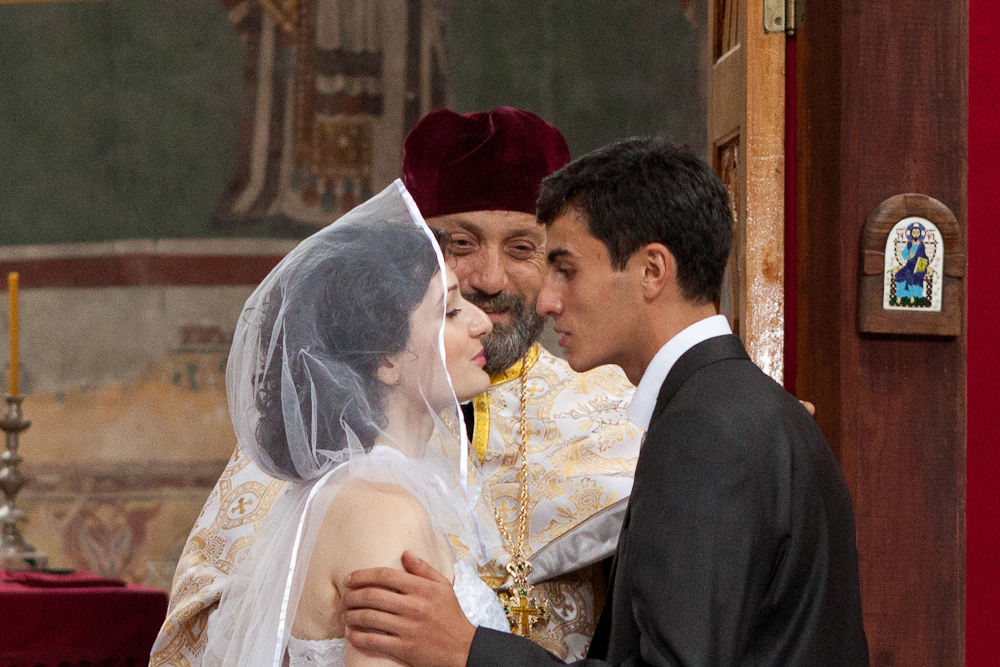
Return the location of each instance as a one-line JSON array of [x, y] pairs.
[[647, 190]]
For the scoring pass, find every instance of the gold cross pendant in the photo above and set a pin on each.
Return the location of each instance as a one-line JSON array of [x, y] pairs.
[[523, 610]]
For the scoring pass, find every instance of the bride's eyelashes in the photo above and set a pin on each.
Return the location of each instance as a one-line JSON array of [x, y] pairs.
[[453, 313]]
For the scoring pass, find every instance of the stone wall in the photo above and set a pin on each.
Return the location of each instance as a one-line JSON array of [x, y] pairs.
[[123, 356]]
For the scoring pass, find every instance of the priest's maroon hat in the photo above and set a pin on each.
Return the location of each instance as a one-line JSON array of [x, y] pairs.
[[480, 161]]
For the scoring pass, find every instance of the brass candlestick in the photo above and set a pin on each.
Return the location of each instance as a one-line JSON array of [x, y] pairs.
[[15, 552]]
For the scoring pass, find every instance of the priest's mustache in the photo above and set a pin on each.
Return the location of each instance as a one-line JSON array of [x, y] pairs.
[[501, 302]]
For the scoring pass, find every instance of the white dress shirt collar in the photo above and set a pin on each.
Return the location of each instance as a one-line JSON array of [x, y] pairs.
[[640, 410]]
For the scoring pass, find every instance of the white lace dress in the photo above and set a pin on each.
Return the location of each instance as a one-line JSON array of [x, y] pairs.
[[478, 601]]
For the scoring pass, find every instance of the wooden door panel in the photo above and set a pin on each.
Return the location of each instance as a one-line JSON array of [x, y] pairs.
[[746, 108], [726, 160], [726, 23]]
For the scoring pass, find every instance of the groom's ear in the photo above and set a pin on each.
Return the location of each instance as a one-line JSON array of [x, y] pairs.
[[659, 269], [388, 370]]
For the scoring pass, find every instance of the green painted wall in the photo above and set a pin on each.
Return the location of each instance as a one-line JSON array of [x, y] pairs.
[[599, 70], [117, 119]]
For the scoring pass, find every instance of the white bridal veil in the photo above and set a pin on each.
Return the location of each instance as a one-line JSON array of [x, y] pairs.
[[308, 407]]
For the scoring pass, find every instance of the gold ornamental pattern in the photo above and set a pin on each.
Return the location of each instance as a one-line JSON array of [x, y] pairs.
[[581, 448], [574, 601], [226, 526], [581, 454]]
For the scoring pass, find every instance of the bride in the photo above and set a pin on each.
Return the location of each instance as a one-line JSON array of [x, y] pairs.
[[338, 382]]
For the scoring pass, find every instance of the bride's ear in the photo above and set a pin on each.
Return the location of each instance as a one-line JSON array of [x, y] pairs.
[[388, 370]]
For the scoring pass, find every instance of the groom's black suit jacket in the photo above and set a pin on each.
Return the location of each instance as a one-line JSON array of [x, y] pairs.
[[738, 545]]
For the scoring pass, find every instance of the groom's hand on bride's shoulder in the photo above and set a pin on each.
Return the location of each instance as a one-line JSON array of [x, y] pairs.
[[412, 616]]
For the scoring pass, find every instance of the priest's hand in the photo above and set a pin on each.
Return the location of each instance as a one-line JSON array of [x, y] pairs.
[[810, 408], [412, 616]]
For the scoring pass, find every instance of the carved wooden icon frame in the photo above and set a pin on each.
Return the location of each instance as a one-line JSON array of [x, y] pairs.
[[912, 269]]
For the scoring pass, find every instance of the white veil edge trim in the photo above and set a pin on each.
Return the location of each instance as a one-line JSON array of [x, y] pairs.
[[279, 648], [411, 205]]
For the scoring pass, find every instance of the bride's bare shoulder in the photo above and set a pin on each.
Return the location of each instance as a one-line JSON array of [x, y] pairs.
[[360, 503], [370, 524]]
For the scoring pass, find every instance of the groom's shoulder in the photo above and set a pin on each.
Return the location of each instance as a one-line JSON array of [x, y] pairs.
[[735, 402], [733, 378], [728, 393]]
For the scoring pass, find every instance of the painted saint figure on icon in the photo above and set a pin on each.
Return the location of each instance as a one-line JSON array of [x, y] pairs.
[[914, 256]]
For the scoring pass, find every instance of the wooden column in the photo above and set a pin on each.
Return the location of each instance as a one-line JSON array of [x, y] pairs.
[[882, 111]]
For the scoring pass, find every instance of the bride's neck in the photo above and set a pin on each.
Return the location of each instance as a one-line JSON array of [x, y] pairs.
[[409, 425]]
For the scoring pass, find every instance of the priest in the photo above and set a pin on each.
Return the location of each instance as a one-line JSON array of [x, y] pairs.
[[557, 449]]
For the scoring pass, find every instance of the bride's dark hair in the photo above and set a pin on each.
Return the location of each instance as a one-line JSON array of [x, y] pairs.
[[333, 321]]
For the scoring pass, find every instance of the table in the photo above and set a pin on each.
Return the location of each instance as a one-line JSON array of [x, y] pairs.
[[82, 619]]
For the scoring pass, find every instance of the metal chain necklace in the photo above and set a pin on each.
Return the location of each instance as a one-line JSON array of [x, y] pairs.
[[524, 608]]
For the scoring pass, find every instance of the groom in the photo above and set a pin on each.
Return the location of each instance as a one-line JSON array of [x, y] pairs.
[[738, 544]]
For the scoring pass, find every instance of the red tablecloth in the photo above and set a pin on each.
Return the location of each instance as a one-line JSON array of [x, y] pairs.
[[76, 619]]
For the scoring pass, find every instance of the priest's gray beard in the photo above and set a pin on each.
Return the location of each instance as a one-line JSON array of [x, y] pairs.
[[508, 342]]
